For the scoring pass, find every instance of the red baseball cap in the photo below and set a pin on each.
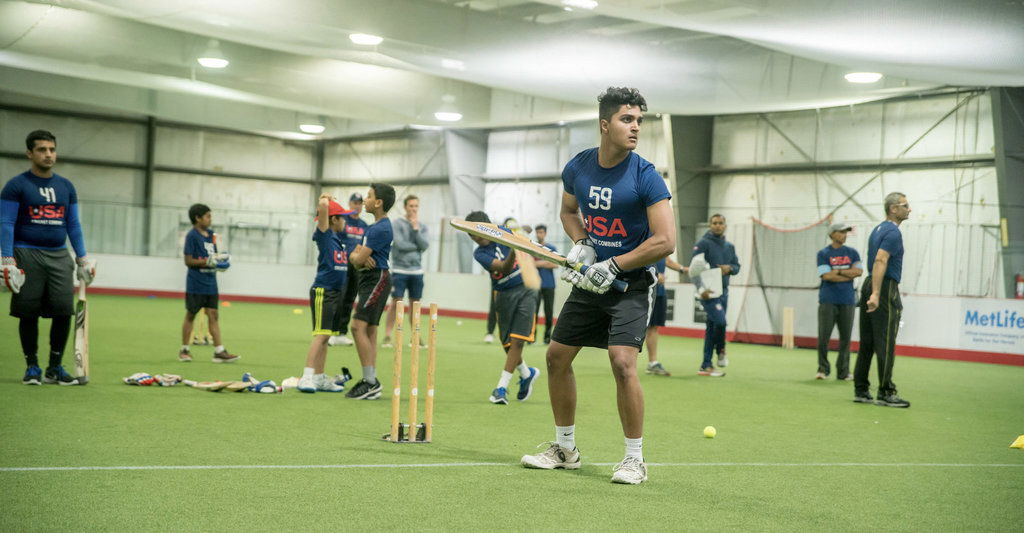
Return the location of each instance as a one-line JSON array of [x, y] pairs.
[[334, 209]]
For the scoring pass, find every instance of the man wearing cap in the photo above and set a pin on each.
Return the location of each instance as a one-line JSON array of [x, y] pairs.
[[353, 236], [838, 266]]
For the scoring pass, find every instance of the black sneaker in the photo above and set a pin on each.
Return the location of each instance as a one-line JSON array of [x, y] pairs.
[[891, 400], [863, 397], [364, 390], [57, 374], [33, 376]]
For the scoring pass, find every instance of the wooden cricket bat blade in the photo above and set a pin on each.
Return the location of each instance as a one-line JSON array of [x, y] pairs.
[[81, 337]]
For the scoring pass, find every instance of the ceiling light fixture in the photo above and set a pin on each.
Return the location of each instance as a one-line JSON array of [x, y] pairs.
[[863, 77], [448, 112], [582, 4], [365, 39], [453, 64], [212, 57], [313, 129]]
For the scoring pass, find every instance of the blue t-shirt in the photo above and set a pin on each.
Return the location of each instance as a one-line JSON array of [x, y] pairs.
[[485, 255], [39, 213], [842, 258], [378, 237], [614, 201], [660, 267], [331, 260], [201, 280], [547, 275], [887, 236], [717, 252], [355, 229]]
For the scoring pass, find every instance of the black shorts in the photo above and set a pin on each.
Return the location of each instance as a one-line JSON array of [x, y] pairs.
[[516, 310], [609, 319], [195, 302], [326, 308], [659, 311], [49, 288], [374, 287]]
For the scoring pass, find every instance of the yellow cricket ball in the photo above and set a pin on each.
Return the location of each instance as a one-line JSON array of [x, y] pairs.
[[297, 311], [710, 432]]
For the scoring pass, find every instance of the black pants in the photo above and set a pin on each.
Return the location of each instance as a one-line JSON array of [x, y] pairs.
[[878, 336], [548, 297], [829, 316], [351, 291], [492, 315]]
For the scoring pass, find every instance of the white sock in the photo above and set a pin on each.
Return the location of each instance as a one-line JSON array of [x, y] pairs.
[[635, 448], [218, 349], [307, 372], [506, 378], [652, 363], [184, 347], [524, 371], [566, 436], [370, 374]]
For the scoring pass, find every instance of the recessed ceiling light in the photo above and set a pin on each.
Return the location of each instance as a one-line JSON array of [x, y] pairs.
[[453, 64], [314, 129], [212, 57], [582, 4], [448, 116], [365, 39], [863, 77]]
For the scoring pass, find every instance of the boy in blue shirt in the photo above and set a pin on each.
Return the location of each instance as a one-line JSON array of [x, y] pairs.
[[327, 292], [718, 253], [38, 216], [203, 262], [838, 266], [355, 229], [371, 258]]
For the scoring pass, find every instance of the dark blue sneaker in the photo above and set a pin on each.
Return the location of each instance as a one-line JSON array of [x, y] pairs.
[[57, 374], [500, 396], [526, 384], [33, 376]]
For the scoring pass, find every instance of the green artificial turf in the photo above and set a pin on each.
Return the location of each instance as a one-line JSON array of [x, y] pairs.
[[791, 453]]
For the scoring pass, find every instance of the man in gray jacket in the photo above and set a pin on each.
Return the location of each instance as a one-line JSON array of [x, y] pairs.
[[410, 241]]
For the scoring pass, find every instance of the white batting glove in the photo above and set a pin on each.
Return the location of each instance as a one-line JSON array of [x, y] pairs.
[[599, 277], [571, 276], [86, 270], [582, 252], [13, 277]]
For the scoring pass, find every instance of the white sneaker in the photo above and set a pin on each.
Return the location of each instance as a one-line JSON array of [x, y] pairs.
[[489, 339], [553, 457], [386, 343], [340, 340], [631, 471], [723, 361], [327, 384], [307, 384]]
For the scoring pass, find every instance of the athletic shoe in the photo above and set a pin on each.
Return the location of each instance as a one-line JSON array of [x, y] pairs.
[[891, 400], [422, 344], [364, 390], [327, 384], [863, 397], [499, 396], [340, 340], [489, 339], [57, 374], [386, 343], [723, 361], [656, 369], [547, 338], [553, 457], [848, 377], [631, 471], [710, 372], [526, 384], [307, 384], [33, 376], [185, 357], [820, 375], [225, 357]]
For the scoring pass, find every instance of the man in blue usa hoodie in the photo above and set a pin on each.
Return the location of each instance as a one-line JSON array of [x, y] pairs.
[[717, 253]]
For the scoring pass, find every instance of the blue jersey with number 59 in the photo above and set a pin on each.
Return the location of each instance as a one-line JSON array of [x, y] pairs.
[[614, 201]]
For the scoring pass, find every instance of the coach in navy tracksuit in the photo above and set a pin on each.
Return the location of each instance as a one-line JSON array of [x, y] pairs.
[[718, 252], [38, 215]]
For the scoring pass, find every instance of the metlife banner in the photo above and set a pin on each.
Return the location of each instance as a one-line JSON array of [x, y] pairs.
[[992, 325]]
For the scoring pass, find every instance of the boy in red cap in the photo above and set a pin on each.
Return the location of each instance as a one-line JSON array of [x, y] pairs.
[[327, 292]]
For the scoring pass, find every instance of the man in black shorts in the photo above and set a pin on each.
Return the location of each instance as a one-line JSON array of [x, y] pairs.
[[38, 216], [626, 223], [371, 258]]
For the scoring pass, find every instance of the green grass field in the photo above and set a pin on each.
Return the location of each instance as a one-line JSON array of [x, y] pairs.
[[791, 453]]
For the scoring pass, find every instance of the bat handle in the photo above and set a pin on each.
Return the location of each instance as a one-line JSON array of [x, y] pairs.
[[618, 285]]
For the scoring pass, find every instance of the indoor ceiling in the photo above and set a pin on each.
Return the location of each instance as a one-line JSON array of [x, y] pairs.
[[497, 62]]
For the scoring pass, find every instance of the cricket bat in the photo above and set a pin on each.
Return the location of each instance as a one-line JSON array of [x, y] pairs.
[[206, 385], [81, 337], [527, 267], [494, 233]]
